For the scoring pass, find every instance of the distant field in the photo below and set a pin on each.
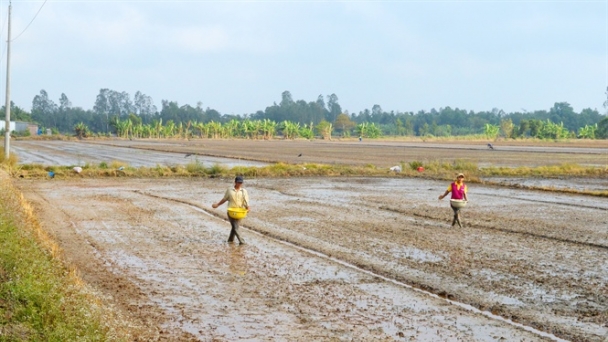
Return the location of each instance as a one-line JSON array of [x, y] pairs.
[[382, 153]]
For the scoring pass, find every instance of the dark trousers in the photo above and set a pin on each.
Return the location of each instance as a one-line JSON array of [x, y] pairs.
[[235, 230], [456, 217]]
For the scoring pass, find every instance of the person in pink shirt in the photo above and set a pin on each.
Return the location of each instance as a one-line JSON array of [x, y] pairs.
[[459, 192]]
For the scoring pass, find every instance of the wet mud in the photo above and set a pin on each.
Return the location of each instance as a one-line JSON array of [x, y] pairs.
[[81, 153], [149, 152], [336, 259]]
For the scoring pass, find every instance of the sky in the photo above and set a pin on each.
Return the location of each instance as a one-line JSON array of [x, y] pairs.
[[238, 57]]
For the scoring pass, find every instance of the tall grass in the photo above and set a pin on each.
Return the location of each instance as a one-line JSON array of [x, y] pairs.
[[432, 168], [40, 300], [550, 171]]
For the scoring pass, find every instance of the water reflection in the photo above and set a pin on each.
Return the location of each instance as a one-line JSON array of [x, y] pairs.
[[237, 262]]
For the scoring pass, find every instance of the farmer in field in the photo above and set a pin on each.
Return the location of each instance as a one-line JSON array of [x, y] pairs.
[[459, 192], [237, 197]]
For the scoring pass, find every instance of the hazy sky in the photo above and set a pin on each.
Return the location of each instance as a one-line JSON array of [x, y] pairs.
[[239, 56]]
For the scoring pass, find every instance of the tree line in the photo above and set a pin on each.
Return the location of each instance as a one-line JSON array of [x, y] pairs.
[[116, 112]]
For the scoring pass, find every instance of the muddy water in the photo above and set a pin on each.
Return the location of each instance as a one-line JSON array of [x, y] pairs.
[[175, 254], [597, 184], [520, 251], [80, 153], [536, 258]]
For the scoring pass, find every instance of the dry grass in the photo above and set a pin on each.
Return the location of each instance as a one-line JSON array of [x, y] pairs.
[[41, 299], [434, 169]]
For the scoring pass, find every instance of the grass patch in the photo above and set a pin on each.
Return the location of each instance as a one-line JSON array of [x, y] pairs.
[[40, 300], [433, 169], [550, 171]]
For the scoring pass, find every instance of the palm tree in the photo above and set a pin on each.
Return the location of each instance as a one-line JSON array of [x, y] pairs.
[[81, 130]]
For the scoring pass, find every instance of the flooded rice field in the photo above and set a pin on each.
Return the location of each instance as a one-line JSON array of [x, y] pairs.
[[581, 184], [258, 152], [330, 259], [80, 153], [337, 259]]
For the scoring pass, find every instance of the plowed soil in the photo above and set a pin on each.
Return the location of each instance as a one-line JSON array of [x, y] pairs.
[[332, 259]]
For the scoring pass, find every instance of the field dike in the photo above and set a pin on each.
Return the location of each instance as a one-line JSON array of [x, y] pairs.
[[41, 298]]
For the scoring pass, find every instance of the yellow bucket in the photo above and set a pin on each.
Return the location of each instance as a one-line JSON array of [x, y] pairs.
[[237, 213]]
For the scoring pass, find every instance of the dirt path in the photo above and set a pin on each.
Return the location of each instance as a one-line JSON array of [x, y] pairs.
[[158, 249]]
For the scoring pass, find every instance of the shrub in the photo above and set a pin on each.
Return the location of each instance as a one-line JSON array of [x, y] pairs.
[[414, 165], [216, 170]]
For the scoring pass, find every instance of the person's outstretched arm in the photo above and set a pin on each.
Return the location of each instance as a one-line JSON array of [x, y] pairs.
[[226, 196], [215, 205]]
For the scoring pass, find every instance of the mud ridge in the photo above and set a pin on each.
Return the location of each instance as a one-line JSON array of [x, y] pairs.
[[547, 189], [504, 230], [271, 161], [559, 203]]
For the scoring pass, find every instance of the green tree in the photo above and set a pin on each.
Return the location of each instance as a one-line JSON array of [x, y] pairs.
[[409, 126], [290, 130], [334, 108], [550, 130], [424, 130], [233, 128], [535, 128], [491, 131], [64, 103], [373, 131], [506, 128], [81, 130], [343, 123], [143, 105], [44, 110], [361, 129], [587, 132], [325, 128], [269, 128], [102, 106], [524, 128], [17, 114], [286, 99], [602, 129], [606, 102], [307, 131]]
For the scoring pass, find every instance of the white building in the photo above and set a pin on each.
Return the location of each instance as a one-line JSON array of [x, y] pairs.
[[20, 126]]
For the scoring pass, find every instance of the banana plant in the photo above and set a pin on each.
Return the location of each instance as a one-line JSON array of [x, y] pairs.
[[269, 128]]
